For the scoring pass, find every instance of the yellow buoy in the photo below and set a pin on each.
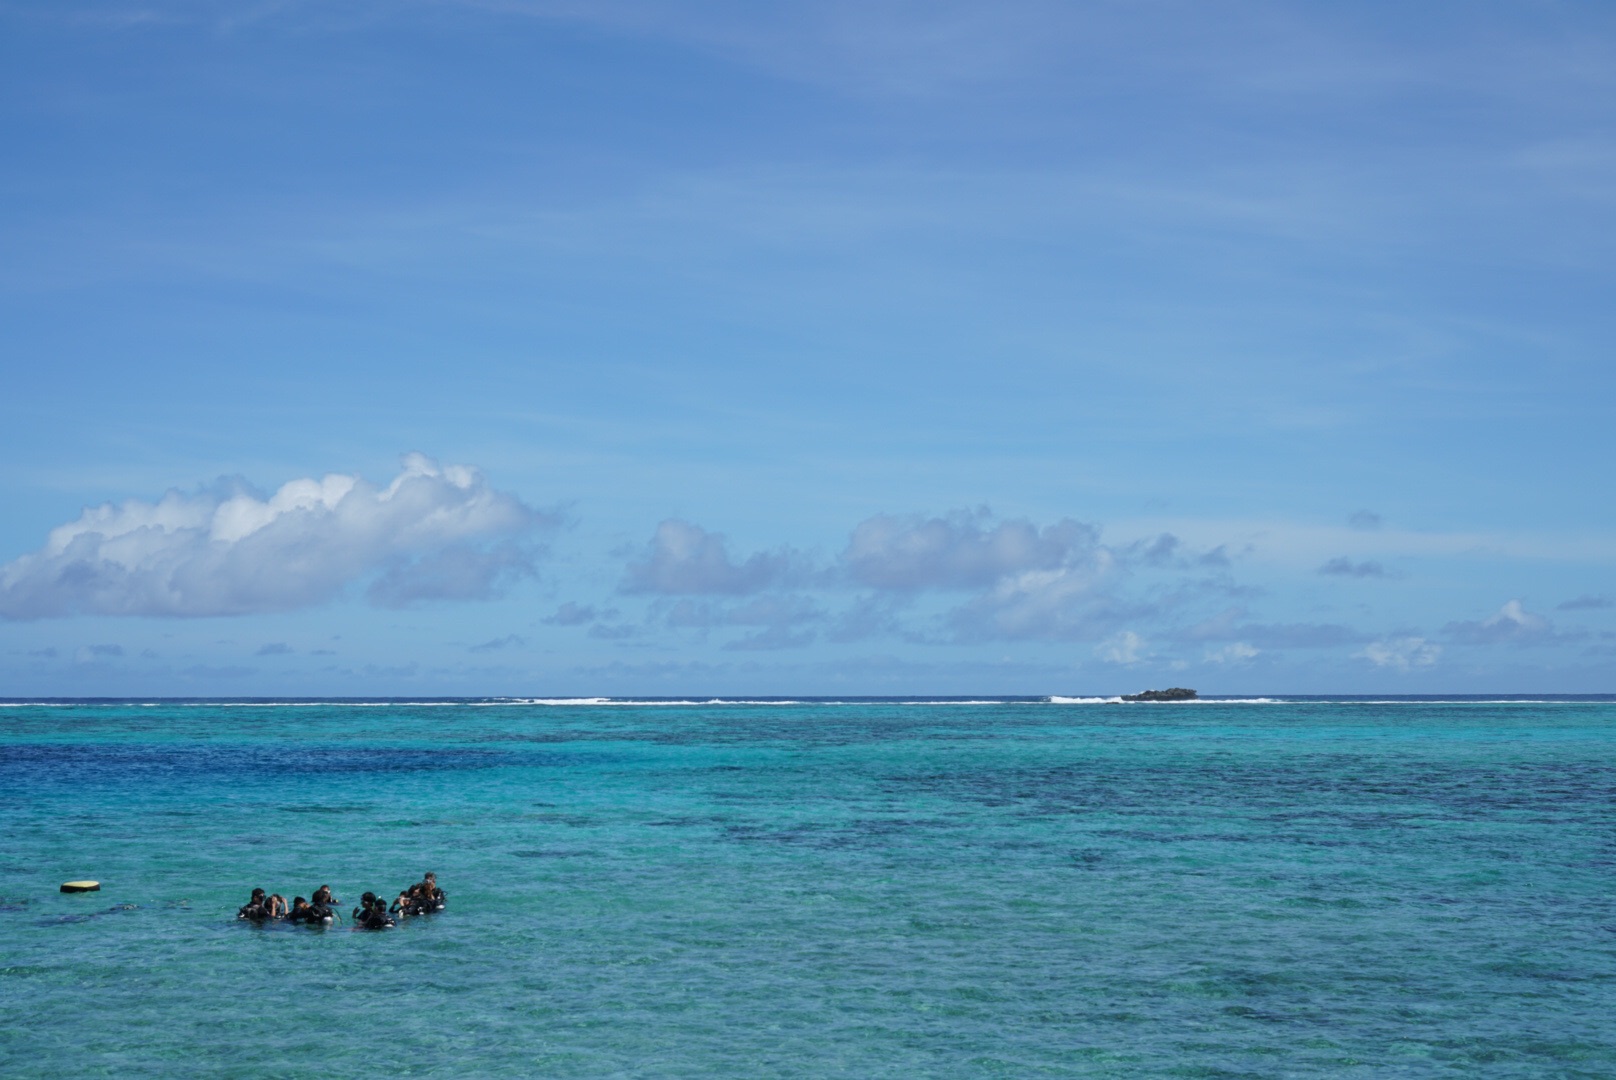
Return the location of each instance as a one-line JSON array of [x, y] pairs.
[[81, 886]]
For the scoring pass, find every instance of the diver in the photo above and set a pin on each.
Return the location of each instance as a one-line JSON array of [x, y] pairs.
[[322, 897], [321, 913], [255, 909], [372, 915], [276, 906], [432, 897], [302, 912], [406, 903]]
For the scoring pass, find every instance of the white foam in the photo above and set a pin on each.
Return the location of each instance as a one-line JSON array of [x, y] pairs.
[[574, 702], [1057, 700]]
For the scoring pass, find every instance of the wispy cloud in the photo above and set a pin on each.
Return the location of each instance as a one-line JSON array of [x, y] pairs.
[[1236, 652], [1401, 654], [98, 652], [1125, 648], [1232, 624], [1341, 566]]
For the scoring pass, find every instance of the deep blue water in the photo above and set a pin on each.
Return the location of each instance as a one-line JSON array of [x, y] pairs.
[[1285, 888]]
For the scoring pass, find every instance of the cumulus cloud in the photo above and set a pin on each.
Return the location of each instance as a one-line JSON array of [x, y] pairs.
[[1046, 605], [959, 551], [461, 572], [1585, 602], [1510, 624], [1400, 654], [1023, 581], [1366, 520], [228, 551], [685, 559], [1341, 566]]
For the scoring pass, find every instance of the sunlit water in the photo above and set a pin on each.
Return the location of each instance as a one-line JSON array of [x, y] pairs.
[[865, 889]]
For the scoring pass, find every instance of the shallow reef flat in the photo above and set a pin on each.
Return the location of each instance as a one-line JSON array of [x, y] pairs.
[[1068, 887]]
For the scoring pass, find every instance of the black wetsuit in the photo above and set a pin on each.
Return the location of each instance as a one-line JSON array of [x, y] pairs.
[[372, 918], [424, 901], [253, 913]]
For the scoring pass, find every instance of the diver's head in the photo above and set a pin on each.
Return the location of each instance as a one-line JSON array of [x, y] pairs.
[[258, 894]]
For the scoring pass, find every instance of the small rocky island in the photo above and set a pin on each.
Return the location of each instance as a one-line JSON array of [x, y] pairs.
[[1172, 693]]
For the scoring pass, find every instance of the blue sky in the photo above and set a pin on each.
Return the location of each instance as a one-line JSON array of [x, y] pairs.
[[633, 348]]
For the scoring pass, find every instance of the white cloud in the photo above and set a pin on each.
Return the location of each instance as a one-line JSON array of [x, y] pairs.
[[908, 553], [1124, 648], [1402, 654], [435, 532], [685, 559], [1046, 605]]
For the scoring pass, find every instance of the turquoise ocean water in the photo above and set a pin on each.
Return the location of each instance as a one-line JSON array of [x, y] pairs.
[[1282, 888]]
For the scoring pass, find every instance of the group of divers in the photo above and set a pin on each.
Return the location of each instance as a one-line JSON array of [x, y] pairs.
[[373, 913]]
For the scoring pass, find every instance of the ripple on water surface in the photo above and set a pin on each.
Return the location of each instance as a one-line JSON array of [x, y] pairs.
[[867, 888]]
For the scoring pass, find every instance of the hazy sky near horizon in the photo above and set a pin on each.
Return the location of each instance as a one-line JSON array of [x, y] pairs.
[[531, 347]]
